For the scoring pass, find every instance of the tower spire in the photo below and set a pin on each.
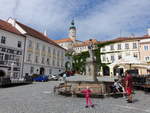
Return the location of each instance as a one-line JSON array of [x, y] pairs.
[[72, 31]]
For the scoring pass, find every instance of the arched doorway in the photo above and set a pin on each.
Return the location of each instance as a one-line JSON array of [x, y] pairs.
[[2, 73], [119, 70], [42, 71], [106, 71]]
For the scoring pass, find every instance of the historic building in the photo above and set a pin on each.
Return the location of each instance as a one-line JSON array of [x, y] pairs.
[[41, 54], [11, 51], [117, 49]]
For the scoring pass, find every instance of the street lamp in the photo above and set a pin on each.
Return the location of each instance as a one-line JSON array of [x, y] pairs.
[[12, 69]]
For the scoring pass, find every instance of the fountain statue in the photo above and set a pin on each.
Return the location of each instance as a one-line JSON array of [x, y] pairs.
[[91, 62]]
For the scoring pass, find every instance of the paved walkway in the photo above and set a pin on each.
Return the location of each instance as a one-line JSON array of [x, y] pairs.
[[39, 98]]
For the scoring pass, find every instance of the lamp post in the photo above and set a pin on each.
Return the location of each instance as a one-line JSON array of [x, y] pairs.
[[12, 69]]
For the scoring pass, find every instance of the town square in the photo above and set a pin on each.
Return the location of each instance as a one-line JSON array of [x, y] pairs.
[[74, 56]]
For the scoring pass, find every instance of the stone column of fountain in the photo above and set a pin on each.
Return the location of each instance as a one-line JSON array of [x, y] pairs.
[[91, 63]]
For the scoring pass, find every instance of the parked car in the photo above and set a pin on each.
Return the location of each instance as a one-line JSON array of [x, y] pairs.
[[54, 77], [69, 73], [41, 78]]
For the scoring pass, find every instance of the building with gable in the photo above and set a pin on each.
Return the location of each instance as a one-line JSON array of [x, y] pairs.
[[41, 54]]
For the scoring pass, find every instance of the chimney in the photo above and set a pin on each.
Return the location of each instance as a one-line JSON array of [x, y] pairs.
[[148, 31], [45, 33], [13, 22]]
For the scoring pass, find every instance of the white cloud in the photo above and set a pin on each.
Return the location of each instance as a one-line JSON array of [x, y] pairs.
[[115, 15], [105, 19]]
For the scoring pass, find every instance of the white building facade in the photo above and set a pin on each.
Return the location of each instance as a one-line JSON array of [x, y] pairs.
[[11, 51], [42, 55], [119, 49]]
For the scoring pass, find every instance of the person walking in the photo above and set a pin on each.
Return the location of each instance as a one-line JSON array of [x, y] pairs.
[[87, 93], [128, 86], [64, 77]]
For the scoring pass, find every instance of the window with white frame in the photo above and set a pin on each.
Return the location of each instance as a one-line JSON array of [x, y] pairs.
[[49, 50], [111, 47], [37, 46], [104, 58], [36, 59], [43, 60], [29, 57], [146, 48], [48, 62], [134, 45], [126, 46], [119, 46], [119, 56], [43, 49], [30, 44], [147, 58], [112, 58], [135, 55]]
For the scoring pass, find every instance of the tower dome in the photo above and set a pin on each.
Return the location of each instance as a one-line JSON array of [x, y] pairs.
[[72, 31]]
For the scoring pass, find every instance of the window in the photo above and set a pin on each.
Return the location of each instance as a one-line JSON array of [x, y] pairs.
[[43, 60], [30, 44], [126, 46], [31, 70], [119, 46], [3, 40], [43, 49], [134, 45], [48, 61], [1, 56], [112, 58], [6, 57], [135, 55], [36, 59], [104, 58], [29, 58], [112, 47], [119, 56], [146, 48], [147, 58], [37, 46], [49, 50], [19, 44], [50, 71]]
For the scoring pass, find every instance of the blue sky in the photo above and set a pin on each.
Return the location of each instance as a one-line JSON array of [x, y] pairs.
[[99, 19]]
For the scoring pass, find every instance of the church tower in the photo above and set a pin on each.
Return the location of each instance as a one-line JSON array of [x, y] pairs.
[[72, 31]]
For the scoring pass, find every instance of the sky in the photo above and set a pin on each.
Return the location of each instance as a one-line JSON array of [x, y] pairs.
[[98, 19]]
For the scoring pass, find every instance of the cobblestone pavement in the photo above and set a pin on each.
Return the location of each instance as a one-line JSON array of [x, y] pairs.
[[38, 98]]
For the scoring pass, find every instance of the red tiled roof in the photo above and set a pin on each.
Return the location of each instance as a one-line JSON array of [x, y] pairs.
[[37, 34], [64, 40], [122, 39], [85, 43], [8, 27]]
